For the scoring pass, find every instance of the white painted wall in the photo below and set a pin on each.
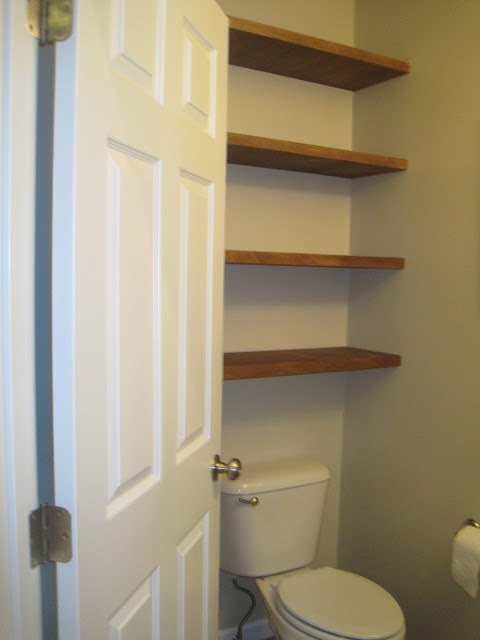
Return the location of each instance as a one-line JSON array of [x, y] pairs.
[[411, 471], [267, 307]]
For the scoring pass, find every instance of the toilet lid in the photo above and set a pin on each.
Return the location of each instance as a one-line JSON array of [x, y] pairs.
[[341, 603]]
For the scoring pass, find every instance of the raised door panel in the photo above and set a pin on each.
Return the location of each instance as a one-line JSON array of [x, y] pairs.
[[139, 616], [137, 42], [133, 291], [195, 314], [199, 77], [193, 596]]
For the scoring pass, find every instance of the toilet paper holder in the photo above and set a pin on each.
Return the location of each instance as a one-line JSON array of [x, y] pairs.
[[470, 522]]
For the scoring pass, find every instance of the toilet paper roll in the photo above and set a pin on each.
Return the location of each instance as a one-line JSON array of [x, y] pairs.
[[466, 559]]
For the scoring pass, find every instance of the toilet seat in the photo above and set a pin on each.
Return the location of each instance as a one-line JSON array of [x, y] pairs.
[[330, 601]]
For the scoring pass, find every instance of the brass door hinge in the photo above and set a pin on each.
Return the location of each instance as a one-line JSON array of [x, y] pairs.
[[50, 20], [50, 535]]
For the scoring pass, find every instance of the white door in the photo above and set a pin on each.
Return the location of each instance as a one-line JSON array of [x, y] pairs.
[[138, 226]]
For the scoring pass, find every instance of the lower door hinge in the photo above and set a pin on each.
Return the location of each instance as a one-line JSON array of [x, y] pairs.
[[50, 535], [50, 20]]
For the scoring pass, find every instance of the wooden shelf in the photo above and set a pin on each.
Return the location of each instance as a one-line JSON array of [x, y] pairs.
[[265, 48], [296, 362], [270, 153], [275, 258], [286, 53]]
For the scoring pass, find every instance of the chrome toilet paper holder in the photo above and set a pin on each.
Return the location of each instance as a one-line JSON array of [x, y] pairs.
[[470, 522]]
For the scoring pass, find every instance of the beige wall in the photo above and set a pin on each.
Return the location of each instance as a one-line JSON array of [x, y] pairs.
[[267, 308], [411, 470]]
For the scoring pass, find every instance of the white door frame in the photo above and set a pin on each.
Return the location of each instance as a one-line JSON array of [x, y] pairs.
[[19, 584]]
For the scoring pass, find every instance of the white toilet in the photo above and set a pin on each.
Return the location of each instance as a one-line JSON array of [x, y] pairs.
[[270, 523]]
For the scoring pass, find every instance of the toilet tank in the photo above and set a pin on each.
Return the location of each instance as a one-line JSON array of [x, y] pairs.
[[281, 532]]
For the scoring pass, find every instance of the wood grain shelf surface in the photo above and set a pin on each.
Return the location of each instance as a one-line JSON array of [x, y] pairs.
[[270, 153], [295, 362], [275, 258], [295, 55]]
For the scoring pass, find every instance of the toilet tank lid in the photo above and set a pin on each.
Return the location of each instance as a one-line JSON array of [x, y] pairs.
[[278, 474]]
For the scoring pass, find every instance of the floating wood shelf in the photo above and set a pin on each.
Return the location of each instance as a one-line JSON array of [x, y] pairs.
[[275, 258], [296, 362], [286, 53], [270, 153]]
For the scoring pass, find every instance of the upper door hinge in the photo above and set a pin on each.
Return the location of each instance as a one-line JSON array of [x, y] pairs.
[[50, 535], [50, 20]]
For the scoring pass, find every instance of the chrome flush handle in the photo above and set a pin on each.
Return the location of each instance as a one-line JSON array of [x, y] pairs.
[[232, 468]]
